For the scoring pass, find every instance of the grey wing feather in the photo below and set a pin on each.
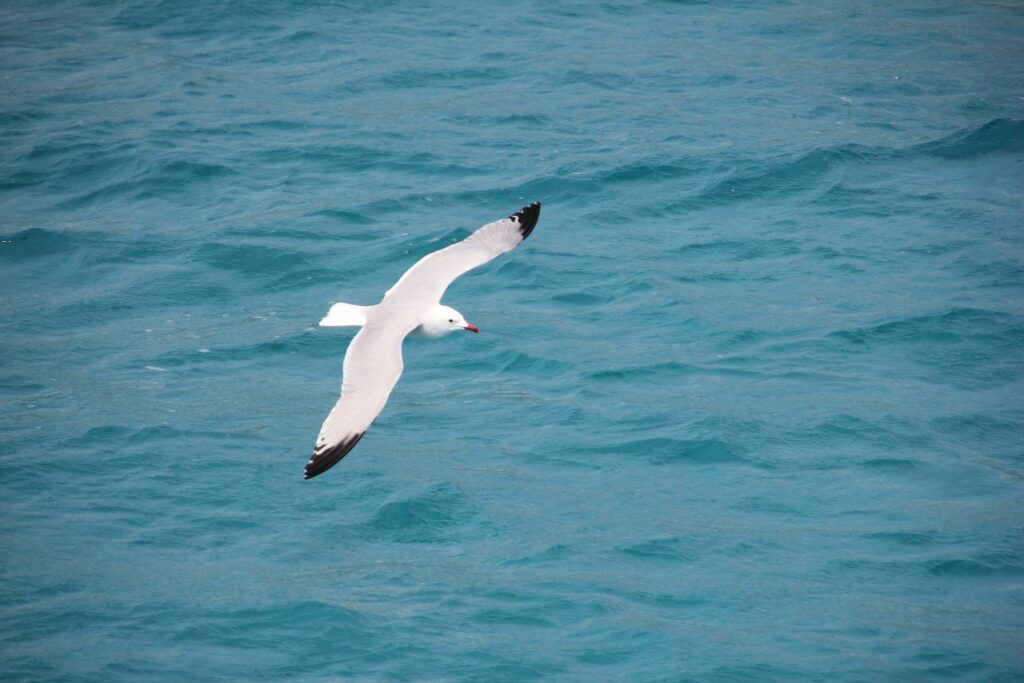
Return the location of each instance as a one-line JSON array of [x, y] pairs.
[[428, 279]]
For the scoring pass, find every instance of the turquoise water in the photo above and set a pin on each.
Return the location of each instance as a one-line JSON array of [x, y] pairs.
[[747, 406]]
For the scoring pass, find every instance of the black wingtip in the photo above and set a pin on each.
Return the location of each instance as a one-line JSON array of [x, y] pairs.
[[324, 460], [527, 218]]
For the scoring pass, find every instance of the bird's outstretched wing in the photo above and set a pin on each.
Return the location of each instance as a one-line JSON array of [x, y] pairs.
[[430, 276], [373, 364]]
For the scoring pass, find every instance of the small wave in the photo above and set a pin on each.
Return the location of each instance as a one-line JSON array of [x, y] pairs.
[[805, 173], [671, 549], [242, 629], [345, 216], [766, 504], [840, 199], [604, 80], [583, 299], [20, 383], [306, 342], [658, 371], [301, 279], [360, 158], [333, 231], [953, 324], [517, 361], [725, 276], [881, 434], [252, 259], [107, 435], [914, 539], [501, 120], [556, 553], [996, 272], [668, 451], [417, 78], [791, 176], [302, 37], [38, 242], [521, 273], [890, 464], [983, 566], [166, 179], [50, 150], [553, 187], [741, 250], [975, 567], [649, 171], [14, 117], [94, 247], [494, 616], [657, 598], [971, 428], [999, 135], [429, 516]]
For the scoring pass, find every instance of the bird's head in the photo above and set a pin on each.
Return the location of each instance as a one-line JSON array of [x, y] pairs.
[[442, 320]]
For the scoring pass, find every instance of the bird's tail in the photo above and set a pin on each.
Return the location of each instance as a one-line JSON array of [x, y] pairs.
[[345, 315]]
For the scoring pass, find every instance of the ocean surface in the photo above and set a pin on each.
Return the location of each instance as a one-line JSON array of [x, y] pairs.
[[747, 406]]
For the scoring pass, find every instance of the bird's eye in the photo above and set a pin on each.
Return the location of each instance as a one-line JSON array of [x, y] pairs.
[[450, 320]]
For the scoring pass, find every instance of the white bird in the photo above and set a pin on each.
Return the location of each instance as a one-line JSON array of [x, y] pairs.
[[373, 362]]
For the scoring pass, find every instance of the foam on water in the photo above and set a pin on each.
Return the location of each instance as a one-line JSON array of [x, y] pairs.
[[746, 406]]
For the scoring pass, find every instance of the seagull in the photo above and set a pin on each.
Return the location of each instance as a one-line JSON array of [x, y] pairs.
[[373, 362]]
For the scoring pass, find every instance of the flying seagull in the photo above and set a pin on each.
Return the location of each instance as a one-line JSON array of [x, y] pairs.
[[373, 362]]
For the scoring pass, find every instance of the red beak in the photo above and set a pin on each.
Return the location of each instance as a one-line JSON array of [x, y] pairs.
[[472, 328]]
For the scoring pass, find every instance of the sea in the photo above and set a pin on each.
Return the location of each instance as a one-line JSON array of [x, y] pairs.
[[748, 405]]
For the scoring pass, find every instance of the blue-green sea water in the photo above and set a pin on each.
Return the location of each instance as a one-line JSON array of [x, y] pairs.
[[747, 406]]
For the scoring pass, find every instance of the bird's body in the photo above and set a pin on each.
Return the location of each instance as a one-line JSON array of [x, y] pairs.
[[373, 362]]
